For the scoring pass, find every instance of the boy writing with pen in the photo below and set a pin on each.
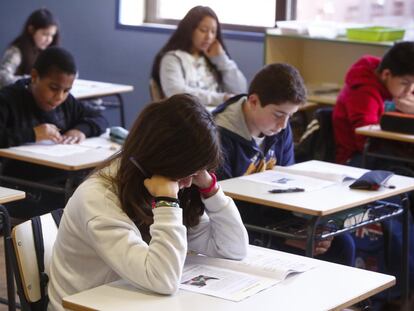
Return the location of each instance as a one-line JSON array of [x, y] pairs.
[[256, 135], [41, 108]]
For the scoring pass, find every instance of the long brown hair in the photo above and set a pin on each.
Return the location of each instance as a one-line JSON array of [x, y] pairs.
[[182, 38], [39, 19], [174, 138]]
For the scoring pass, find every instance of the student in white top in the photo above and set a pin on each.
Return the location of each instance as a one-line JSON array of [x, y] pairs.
[[195, 60], [40, 31], [136, 217]]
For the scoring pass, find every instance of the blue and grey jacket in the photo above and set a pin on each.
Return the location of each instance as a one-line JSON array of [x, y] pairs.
[[241, 154]]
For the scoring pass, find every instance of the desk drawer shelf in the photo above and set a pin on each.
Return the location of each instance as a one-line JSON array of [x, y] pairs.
[[329, 226]]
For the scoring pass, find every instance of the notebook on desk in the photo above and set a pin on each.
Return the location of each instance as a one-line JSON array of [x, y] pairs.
[[294, 178]]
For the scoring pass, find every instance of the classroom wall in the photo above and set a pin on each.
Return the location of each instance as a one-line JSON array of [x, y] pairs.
[[105, 53]]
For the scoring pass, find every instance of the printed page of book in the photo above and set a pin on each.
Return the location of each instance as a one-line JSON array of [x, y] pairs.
[[320, 174], [328, 168], [284, 180], [223, 283], [236, 280]]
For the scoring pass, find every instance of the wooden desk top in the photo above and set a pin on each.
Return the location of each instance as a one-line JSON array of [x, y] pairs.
[[83, 89], [318, 202], [92, 156], [375, 131], [327, 287], [9, 195], [323, 94]]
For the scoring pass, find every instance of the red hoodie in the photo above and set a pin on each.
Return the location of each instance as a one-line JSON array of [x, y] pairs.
[[360, 102]]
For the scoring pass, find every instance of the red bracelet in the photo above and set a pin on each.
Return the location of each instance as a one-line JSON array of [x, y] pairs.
[[211, 187]]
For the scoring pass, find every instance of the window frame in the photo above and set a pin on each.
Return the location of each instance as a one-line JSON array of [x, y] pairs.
[[286, 11]]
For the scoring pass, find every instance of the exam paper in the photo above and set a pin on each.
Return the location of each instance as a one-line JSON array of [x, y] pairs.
[[284, 180], [49, 148], [56, 150]]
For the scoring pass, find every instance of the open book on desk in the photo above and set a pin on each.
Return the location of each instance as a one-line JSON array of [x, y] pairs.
[[49, 148], [290, 177], [237, 280]]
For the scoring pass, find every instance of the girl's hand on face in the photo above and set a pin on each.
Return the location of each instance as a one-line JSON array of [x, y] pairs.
[[160, 186], [215, 49], [202, 179]]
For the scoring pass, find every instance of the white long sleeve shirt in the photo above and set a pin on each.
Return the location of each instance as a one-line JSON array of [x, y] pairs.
[[10, 61], [98, 243], [181, 72]]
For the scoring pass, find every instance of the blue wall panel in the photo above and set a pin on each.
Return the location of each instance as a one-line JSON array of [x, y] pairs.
[[106, 53]]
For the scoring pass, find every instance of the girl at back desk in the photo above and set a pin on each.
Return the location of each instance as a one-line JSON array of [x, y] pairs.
[[195, 60], [40, 31], [137, 216]]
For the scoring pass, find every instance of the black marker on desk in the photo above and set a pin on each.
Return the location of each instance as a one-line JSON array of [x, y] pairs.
[[287, 190]]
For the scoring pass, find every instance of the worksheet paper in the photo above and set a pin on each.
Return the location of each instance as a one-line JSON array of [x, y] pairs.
[[49, 148], [236, 280]]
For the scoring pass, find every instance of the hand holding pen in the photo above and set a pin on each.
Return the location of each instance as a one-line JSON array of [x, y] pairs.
[[47, 131]]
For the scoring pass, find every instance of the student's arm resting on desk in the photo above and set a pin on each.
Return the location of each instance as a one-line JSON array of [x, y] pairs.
[[173, 82], [11, 60], [221, 232], [234, 81], [85, 118], [157, 266]]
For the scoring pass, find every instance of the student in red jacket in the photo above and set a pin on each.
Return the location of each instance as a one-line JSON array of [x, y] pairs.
[[368, 83]]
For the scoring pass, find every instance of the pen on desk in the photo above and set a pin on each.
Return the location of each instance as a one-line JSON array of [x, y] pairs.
[[287, 190]]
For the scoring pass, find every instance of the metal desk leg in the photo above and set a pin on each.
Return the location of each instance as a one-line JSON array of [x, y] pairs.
[[121, 109], [11, 299], [405, 285], [310, 241], [364, 152]]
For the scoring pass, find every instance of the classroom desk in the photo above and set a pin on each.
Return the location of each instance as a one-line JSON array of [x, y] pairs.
[[8, 195], [328, 286], [325, 201], [97, 149], [87, 89], [323, 94], [375, 131]]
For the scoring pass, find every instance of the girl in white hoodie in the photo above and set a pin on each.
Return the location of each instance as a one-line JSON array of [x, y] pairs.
[[137, 216]]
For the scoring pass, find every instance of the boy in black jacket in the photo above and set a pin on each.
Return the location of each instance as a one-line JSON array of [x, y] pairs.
[[41, 108]]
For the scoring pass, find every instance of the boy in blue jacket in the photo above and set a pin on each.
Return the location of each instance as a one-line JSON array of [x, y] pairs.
[[254, 127], [256, 135]]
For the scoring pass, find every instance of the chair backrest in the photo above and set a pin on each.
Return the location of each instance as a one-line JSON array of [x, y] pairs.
[[155, 91], [30, 279], [318, 142], [327, 138]]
